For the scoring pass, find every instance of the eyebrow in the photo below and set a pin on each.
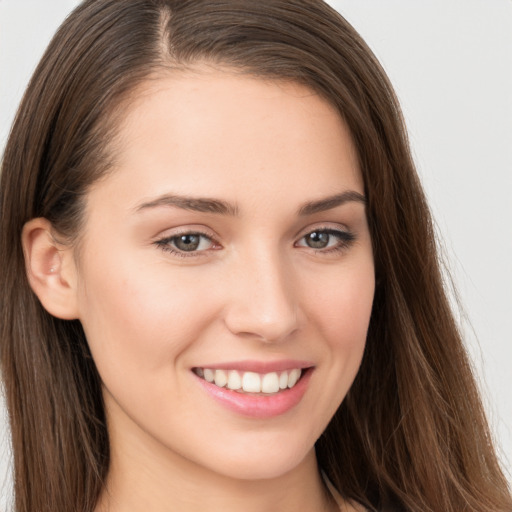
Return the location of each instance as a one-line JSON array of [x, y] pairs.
[[331, 202], [217, 206], [197, 204]]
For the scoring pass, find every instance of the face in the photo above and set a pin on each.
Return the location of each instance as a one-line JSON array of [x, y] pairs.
[[225, 274]]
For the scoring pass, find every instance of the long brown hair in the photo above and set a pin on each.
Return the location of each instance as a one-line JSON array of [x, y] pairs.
[[411, 432]]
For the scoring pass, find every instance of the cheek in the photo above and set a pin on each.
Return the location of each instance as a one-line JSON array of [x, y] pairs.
[[343, 306], [136, 319], [340, 311]]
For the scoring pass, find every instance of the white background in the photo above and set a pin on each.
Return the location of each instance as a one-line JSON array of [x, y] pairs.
[[451, 64]]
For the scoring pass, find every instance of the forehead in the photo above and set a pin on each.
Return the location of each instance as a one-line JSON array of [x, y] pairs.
[[217, 130]]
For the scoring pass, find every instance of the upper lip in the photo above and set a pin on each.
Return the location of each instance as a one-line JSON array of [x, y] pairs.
[[259, 366]]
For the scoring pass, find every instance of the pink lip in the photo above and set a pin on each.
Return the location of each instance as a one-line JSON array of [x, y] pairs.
[[259, 406], [260, 366]]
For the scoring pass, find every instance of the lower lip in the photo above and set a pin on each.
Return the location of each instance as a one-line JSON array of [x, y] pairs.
[[259, 406]]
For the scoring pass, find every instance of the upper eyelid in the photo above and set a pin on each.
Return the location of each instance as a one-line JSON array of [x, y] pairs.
[[333, 227], [207, 233], [164, 244], [331, 231], [167, 234]]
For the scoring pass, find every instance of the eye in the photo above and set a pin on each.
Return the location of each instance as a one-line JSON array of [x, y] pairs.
[[184, 243], [319, 239], [326, 240], [190, 242]]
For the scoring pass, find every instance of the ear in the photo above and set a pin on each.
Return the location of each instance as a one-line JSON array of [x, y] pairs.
[[51, 269]]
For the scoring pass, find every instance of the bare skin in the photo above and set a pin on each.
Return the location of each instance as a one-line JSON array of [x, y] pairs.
[[231, 232]]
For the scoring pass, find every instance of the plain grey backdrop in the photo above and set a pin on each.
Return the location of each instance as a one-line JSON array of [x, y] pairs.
[[451, 64]]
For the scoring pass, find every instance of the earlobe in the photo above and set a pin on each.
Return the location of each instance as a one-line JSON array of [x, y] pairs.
[[50, 268]]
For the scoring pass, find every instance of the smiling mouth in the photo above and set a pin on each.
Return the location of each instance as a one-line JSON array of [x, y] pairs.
[[251, 382]]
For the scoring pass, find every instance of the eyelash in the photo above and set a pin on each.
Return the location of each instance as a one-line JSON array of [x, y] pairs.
[[165, 244], [345, 240]]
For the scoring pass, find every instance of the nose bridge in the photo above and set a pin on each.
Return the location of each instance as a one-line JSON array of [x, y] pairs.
[[263, 302]]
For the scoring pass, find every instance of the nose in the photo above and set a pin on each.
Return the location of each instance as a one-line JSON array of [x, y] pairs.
[[263, 303]]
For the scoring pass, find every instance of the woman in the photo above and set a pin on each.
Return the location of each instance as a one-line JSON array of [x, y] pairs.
[[232, 296]]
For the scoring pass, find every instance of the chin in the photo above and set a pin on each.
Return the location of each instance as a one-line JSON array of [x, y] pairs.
[[264, 464]]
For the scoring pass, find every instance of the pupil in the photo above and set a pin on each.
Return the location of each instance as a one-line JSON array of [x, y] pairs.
[[187, 242], [318, 240]]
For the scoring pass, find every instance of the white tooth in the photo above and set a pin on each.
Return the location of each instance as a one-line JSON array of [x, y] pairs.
[[293, 377], [234, 380], [270, 383], [283, 380], [221, 378], [199, 372], [209, 375], [251, 382]]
